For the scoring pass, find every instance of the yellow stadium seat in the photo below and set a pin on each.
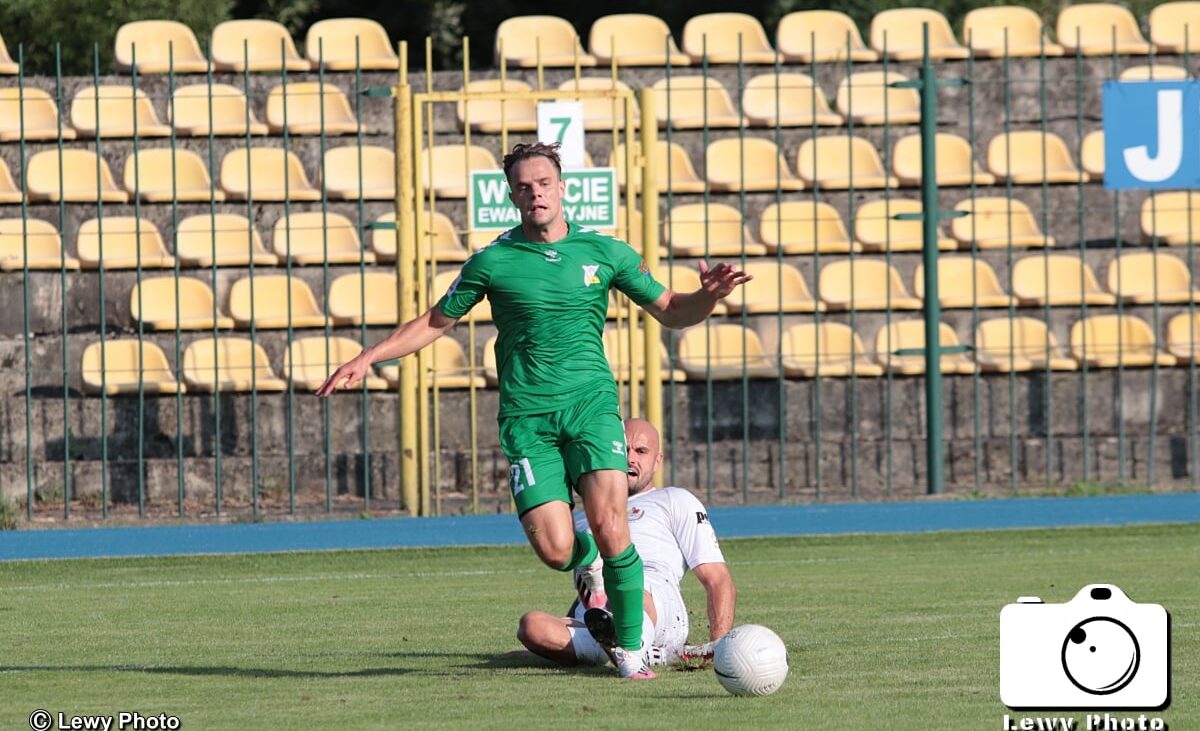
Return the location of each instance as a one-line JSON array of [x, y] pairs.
[[267, 306], [878, 228], [897, 34], [490, 374], [481, 312], [864, 284], [309, 361], [84, 178], [964, 282], [314, 237], [39, 238], [224, 239], [716, 229], [1175, 27], [1108, 341], [514, 115], [189, 112], [229, 364], [1091, 154], [997, 223], [1146, 277], [750, 163], [634, 39], [630, 232], [364, 297], [617, 350], [7, 65], [448, 367], [159, 47], [117, 366], [270, 174], [601, 114], [255, 45], [158, 176], [446, 242], [346, 44], [9, 192], [986, 30], [837, 162], [310, 108], [868, 98], [804, 227], [723, 353], [1183, 336], [693, 102], [1155, 72], [809, 36], [683, 279], [122, 242], [1018, 156], [1058, 279], [910, 335], [727, 38], [115, 111], [40, 112], [1100, 29], [152, 302], [526, 40], [1172, 218], [1018, 344], [449, 164], [673, 168], [787, 100], [774, 288], [826, 349], [955, 161], [378, 173]]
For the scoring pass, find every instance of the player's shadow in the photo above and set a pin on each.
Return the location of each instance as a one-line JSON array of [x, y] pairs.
[[211, 670]]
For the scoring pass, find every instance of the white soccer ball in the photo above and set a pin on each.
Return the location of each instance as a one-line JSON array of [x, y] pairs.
[[750, 660]]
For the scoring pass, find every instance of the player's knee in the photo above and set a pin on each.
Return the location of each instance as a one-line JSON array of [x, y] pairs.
[[529, 631]]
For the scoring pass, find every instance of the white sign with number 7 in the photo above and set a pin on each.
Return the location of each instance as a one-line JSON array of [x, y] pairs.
[[562, 122]]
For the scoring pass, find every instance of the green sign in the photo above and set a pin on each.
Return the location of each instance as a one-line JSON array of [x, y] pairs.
[[591, 200]]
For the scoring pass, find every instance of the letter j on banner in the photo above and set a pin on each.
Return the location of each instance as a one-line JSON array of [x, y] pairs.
[[1151, 134]]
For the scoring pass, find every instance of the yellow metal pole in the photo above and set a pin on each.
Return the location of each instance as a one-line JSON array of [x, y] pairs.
[[636, 370], [652, 330], [405, 254]]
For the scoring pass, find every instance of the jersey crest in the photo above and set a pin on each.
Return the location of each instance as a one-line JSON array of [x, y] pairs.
[[589, 274]]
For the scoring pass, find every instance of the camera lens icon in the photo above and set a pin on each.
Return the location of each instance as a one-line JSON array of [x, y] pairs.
[[1100, 655]]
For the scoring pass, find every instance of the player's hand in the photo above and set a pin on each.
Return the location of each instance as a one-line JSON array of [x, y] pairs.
[[720, 281], [346, 376]]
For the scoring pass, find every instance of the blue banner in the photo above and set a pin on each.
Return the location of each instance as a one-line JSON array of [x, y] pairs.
[[1151, 134]]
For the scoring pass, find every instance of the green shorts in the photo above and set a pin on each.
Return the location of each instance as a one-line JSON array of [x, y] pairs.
[[547, 453]]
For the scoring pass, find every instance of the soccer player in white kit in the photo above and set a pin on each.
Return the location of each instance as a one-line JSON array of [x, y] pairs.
[[670, 528]]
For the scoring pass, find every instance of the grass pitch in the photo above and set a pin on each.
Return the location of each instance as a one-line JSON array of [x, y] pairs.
[[895, 631]]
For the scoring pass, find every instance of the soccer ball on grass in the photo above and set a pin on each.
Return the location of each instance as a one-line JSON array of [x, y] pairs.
[[750, 660]]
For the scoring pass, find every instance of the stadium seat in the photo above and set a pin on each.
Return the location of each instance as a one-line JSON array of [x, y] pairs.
[[152, 302], [683, 279], [1147, 277], [694, 102], [1109, 341], [997, 223], [897, 34], [867, 98], [446, 241], [1091, 154], [617, 350], [804, 227], [41, 116], [121, 242], [810, 36], [1173, 218], [309, 361], [159, 47], [158, 176], [723, 353], [1018, 344], [377, 176], [9, 192], [993, 32], [1057, 279], [481, 312], [7, 65], [229, 364], [787, 100], [310, 108], [910, 335], [1183, 336], [346, 44], [314, 237], [634, 39], [631, 235], [1100, 29], [715, 229], [955, 161], [839, 162], [601, 114], [255, 45], [491, 117], [877, 227], [115, 111], [964, 282], [268, 306], [364, 297], [221, 239], [825, 349], [673, 167], [123, 366], [189, 111], [751, 164], [1154, 72], [37, 237], [449, 164], [84, 178], [526, 40], [265, 174], [448, 366], [1175, 27], [1018, 156], [864, 284], [726, 38], [775, 288]]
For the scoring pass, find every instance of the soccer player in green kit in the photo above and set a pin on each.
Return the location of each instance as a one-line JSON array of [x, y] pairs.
[[560, 424]]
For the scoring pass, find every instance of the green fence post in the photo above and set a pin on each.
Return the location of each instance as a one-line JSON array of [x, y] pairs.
[[935, 470]]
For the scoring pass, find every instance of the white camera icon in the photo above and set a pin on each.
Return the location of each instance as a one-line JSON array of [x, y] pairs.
[[1099, 650]]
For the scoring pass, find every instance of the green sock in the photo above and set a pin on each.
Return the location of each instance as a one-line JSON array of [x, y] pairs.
[[624, 581], [583, 552]]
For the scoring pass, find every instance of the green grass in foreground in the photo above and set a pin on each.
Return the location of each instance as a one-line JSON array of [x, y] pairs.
[[888, 632]]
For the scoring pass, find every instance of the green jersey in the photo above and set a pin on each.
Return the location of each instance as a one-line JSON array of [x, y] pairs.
[[549, 303]]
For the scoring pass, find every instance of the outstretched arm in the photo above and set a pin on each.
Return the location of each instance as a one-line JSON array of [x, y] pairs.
[[718, 585], [404, 340], [675, 309]]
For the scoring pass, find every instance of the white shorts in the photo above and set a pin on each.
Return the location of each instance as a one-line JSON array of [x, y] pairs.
[[665, 638]]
